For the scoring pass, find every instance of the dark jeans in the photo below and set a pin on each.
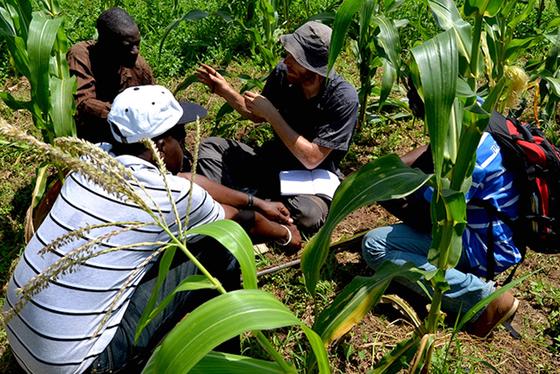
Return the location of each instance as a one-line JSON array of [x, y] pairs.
[[238, 166], [122, 355]]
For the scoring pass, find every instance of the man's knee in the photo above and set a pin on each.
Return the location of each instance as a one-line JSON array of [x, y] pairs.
[[374, 246], [226, 161], [308, 211], [212, 147]]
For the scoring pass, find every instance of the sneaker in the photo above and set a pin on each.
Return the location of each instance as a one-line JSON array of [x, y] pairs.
[[498, 311]]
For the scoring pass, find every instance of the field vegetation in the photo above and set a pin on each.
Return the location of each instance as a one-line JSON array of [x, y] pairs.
[[375, 50]]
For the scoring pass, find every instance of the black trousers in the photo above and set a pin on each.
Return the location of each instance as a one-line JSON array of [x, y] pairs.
[[238, 166]]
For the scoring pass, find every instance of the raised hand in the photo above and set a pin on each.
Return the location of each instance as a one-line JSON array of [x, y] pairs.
[[258, 104], [214, 80]]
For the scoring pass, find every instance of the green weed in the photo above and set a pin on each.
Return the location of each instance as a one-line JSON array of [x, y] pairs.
[[546, 296]]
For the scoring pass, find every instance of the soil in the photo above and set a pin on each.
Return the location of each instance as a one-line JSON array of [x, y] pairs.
[[537, 349]]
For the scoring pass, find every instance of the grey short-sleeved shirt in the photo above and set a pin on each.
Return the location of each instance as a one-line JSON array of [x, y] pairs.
[[328, 119]]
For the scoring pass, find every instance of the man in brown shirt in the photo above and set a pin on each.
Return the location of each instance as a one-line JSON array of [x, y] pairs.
[[103, 69]]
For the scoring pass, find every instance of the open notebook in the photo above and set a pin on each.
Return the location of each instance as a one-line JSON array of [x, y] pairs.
[[313, 182]]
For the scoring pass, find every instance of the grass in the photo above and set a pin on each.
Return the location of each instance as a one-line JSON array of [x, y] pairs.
[[16, 174]]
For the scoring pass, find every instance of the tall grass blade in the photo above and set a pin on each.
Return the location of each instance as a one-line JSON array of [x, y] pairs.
[[191, 283], [233, 237], [342, 21], [219, 363], [488, 8], [395, 360], [445, 250], [14, 103], [192, 15], [42, 34], [438, 65], [41, 177], [389, 40], [20, 13], [406, 309], [383, 179], [487, 300], [474, 122], [448, 17], [387, 82], [517, 47], [15, 36], [554, 85], [422, 359], [214, 322], [185, 83], [7, 28], [223, 111], [51, 6], [529, 7], [63, 105], [356, 300], [455, 130], [164, 264]]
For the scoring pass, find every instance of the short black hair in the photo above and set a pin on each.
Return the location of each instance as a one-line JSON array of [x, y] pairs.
[[178, 132], [113, 22]]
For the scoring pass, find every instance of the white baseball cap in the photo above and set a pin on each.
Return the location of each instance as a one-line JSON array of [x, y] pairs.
[[144, 112]]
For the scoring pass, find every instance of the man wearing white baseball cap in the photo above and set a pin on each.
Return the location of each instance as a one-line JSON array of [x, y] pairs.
[[61, 329], [313, 118]]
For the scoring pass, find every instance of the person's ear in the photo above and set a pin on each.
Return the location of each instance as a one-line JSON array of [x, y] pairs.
[[160, 146], [160, 143]]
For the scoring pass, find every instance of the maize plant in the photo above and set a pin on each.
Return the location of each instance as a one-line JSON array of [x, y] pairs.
[[37, 44], [547, 76], [261, 23], [376, 45], [455, 124]]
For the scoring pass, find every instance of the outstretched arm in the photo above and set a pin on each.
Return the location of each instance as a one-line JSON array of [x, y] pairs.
[[274, 211], [218, 85], [271, 222], [413, 155]]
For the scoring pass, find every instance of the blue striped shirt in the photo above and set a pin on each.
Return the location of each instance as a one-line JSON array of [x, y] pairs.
[[491, 183]]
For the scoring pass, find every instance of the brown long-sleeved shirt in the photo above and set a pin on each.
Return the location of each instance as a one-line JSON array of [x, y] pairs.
[[98, 84]]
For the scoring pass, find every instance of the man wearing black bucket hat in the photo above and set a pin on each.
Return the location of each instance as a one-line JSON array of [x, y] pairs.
[[312, 112]]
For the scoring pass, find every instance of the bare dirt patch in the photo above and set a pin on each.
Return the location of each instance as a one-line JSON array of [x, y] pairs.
[[383, 328]]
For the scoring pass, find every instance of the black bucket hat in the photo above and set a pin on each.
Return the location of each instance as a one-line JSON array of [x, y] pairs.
[[309, 45]]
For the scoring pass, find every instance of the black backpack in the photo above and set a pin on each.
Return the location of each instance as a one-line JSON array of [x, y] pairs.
[[535, 163]]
